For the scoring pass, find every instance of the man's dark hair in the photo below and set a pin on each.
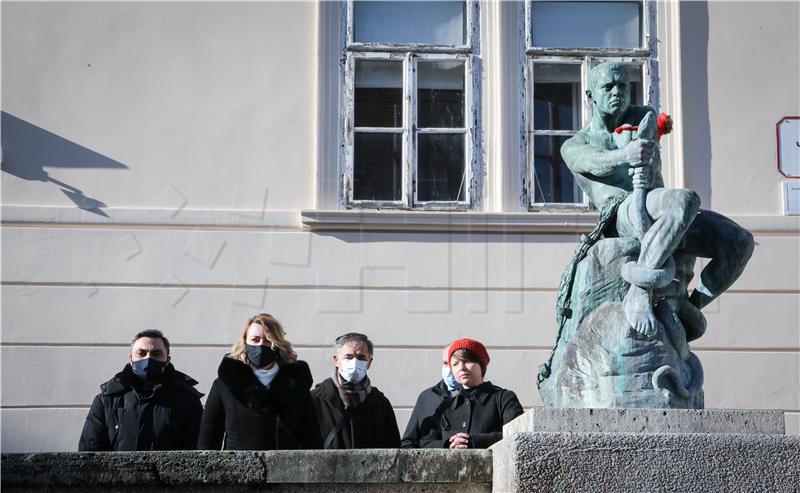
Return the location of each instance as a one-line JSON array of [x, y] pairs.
[[152, 333], [353, 337]]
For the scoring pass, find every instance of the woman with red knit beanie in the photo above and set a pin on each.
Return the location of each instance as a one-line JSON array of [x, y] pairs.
[[474, 417]]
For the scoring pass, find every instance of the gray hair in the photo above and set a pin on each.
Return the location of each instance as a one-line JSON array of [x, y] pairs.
[[353, 337]]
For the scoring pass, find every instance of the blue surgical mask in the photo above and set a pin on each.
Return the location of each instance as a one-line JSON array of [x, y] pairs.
[[148, 368], [449, 379], [353, 370]]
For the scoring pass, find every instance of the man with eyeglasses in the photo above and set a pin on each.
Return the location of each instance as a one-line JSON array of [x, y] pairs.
[[149, 405]]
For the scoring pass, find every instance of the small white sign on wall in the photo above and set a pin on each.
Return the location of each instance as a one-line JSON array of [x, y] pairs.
[[788, 130], [791, 197]]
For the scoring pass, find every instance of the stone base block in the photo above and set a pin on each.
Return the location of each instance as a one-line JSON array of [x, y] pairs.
[[648, 421], [686, 462], [297, 471]]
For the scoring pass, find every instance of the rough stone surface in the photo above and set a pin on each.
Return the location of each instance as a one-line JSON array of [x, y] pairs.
[[601, 362], [648, 421], [312, 470], [686, 462]]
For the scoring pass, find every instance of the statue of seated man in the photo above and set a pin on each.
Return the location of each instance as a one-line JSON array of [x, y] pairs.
[[614, 158]]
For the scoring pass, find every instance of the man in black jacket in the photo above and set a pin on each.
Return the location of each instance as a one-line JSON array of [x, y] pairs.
[[351, 412], [147, 406], [430, 404]]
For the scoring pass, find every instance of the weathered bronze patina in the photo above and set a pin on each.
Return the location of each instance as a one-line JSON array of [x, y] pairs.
[[625, 315]]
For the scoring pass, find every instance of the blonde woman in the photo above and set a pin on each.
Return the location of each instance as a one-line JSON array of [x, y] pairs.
[[261, 399]]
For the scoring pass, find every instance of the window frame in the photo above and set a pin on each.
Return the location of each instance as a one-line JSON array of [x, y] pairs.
[[646, 56], [411, 54]]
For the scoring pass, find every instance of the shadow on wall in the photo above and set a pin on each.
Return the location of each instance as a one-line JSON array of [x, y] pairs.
[[28, 149], [695, 118]]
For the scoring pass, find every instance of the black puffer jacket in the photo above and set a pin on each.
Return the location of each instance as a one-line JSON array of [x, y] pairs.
[[128, 415], [372, 425], [481, 412], [425, 416], [245, 415]]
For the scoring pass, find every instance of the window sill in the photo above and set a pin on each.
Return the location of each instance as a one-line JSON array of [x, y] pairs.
[[555, 221], [573, 221]]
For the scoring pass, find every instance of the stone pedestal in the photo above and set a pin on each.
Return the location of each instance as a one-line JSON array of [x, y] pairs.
[[549, 449]]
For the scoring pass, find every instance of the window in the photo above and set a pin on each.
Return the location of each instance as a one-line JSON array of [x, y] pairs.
[[409, 105], [564, 40]]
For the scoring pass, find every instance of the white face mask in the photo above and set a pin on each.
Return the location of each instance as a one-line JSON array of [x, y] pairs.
[[353, 370]]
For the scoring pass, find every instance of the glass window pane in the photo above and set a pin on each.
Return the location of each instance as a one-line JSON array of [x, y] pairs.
[[556, 96], [587, 24], [635, 77], [426, 22], [377, 166], [440, 167], [440, 88], [552, 182], [379, 93]]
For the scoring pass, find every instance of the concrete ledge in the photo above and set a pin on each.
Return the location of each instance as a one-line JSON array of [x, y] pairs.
[[696, 462], [648, 421], [306, 470]]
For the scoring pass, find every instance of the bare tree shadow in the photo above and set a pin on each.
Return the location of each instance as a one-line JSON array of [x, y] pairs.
[[28, 149]]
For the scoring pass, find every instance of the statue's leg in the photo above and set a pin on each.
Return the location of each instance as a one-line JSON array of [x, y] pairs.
[[728, 245], [672, 211]]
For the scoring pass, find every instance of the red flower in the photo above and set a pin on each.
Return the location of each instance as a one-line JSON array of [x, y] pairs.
[[626, 128], [664, 125]]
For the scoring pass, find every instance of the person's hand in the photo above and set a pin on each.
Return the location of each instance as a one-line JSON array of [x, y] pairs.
[[459, 440], [640, 152], [642, 177]]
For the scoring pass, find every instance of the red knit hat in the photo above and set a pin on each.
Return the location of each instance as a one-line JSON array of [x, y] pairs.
[[473, 346]]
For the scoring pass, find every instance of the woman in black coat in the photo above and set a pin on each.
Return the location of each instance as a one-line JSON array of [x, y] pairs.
[[261, 400], [475, 416]]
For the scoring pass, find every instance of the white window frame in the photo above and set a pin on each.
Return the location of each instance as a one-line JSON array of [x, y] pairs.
[[410, 54], [587, 58]]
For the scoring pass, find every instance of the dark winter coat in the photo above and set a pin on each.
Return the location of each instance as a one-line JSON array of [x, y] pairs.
[[128, 415], [372, 425], [481, 412], [242, 414], [425, 415]]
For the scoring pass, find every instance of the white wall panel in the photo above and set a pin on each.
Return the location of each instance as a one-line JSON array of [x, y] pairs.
[[214, 316], [155, 103], [751, 380], [751, 48], [177, 257], [311, 316], [42, 430]]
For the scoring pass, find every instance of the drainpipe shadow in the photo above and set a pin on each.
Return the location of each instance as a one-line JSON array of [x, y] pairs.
[[28, 150], [695, 120]]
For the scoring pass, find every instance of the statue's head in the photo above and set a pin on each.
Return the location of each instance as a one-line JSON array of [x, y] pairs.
[[609, 88]]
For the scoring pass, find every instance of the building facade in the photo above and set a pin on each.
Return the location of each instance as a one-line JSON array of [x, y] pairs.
[[386, 168]]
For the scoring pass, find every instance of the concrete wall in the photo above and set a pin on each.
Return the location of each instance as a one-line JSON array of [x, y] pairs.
[[186, 133]]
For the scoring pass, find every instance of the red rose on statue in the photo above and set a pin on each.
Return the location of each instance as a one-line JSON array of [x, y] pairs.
[[664, 125]]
